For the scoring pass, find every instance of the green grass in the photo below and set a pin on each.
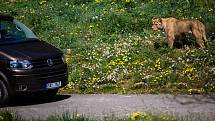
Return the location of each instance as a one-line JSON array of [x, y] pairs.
[[113, 48], [136, 116]]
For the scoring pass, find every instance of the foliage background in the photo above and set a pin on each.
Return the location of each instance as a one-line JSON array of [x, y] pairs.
[[111, 48]]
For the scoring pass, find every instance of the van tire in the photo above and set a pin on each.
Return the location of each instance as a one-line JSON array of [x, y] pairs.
[[4, 96]]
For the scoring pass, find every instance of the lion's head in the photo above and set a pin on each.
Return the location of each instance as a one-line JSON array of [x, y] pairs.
[[156, 24]]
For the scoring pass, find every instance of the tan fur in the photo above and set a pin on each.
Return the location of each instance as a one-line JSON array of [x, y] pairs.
[[176, 28]]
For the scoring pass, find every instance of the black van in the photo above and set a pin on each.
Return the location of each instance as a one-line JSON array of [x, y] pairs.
[[27, 64]]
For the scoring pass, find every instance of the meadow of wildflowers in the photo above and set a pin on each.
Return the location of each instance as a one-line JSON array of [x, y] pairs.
[[111, 48]]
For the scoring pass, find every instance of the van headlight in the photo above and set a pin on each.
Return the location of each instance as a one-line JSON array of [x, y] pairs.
[[20, 64]]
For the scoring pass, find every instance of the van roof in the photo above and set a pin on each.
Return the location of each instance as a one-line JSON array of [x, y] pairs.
[[6, 17]]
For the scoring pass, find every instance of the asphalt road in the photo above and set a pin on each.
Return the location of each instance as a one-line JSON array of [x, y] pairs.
[[185, 106]]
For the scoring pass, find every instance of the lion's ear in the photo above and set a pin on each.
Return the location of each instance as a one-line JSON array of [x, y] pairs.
[[154, 18], [160, 20]]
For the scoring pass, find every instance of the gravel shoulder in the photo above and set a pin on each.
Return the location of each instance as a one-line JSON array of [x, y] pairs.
[[201, 107]]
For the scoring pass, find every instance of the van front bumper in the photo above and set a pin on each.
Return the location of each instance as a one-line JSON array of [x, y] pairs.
[[37, 79]]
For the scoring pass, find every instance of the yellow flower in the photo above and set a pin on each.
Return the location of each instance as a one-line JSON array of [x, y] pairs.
[[69, 51], [158, 65], [21, 17], [42, 2], [138, 116], [182, 84], [134, 116], [127, 1], [98, 1]]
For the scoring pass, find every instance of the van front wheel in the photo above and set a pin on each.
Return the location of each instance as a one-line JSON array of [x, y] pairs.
[[4, 97]]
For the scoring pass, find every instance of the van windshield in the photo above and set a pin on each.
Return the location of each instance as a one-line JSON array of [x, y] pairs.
[[15, 32]]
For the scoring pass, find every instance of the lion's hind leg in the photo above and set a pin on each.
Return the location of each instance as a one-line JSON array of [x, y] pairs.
[[199, 38]]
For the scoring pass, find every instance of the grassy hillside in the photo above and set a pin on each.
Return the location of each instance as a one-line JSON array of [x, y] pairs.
[[111, 47]]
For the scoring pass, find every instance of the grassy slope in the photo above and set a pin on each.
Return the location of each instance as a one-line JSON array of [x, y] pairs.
[[114, 50]]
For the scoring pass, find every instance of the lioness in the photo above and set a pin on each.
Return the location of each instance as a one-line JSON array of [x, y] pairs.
[[176, 28]]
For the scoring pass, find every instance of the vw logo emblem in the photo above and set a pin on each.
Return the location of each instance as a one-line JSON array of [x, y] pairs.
[[50, 62]]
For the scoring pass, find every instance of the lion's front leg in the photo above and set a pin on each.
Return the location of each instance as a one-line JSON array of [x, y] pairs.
[[171, 39]]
